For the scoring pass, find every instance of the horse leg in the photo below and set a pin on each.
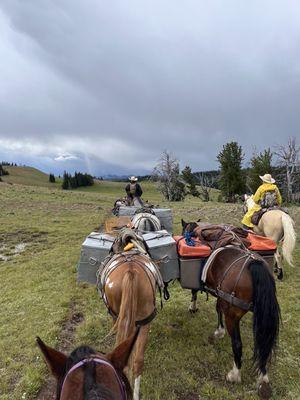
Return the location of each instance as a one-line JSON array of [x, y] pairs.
[[138, 359], [278, 263], [193, 306], [233, 328], [263, 385], [220, 331]]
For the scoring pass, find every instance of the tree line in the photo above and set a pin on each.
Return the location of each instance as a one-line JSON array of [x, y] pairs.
[[79, 179], [232, 179]]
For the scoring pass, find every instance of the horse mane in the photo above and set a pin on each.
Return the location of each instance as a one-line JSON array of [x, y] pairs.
[[92, 390]]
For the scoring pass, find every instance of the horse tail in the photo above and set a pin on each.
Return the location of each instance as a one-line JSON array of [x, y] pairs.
[[289, 238], [125, 323], [266, 314]]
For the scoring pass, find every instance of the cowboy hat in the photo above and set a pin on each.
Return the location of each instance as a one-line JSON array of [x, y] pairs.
[[267, 178], [133, 179]]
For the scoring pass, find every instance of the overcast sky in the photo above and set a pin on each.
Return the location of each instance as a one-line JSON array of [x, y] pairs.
[[106, 86]]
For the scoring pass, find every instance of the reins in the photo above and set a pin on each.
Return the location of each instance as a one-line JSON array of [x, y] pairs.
[[99, 361]]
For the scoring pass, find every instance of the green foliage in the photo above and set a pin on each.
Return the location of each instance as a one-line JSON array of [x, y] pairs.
[[232, 180], [51, 178], [261, 164], [3, 171], [78, 180], [190, 180]]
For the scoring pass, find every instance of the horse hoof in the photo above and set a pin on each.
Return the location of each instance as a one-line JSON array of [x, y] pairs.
[[234, 376], [193, 310], [219, 333], [264, 390]]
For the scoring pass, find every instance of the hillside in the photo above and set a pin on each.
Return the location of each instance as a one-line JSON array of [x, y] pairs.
[[27, 176]]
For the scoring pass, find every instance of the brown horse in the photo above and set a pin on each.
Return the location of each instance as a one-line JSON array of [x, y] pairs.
[[128, 285], [90, 375], [242, 282]]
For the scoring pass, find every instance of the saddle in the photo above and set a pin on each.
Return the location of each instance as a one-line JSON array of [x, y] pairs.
[[126, 236], [258, 214], [221, 235]]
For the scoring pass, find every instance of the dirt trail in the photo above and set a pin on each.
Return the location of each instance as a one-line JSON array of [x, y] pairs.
[[66, 338]]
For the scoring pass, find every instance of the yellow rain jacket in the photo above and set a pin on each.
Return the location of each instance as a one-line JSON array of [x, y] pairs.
[[265, 187]]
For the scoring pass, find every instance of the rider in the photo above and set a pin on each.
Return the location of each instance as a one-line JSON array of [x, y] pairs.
[[134, 192], [266, 196]]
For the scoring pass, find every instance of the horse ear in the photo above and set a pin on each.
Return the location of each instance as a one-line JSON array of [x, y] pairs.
[[54, 359], [120, 355], [183, 223]]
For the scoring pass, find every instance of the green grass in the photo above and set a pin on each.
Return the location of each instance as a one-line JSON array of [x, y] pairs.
[[28, 176], [38, 288]]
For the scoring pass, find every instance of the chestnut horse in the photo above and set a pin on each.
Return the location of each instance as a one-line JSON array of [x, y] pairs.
[[90, 375], [128, 284], [242, 282]]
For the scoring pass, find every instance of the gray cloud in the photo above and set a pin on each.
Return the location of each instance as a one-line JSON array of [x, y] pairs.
[[118, 82]]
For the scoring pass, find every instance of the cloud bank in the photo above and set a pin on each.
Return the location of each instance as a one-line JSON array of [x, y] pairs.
[[107, 86]]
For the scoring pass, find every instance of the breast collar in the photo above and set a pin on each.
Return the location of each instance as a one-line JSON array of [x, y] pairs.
[[99, 361]]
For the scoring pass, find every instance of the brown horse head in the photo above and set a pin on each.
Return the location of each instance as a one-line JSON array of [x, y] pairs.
[[188, 226], [87, 374]]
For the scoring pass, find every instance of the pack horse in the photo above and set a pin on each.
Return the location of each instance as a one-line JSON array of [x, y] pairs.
[[127, 284], [242, 282]]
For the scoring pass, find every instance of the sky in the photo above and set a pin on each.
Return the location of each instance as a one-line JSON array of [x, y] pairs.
[[105, 86]]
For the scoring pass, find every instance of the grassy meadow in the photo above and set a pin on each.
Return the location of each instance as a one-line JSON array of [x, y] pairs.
[[41, 231]]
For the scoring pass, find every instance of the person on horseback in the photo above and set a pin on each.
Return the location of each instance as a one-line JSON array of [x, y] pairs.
[[266, 196], [134, 192]]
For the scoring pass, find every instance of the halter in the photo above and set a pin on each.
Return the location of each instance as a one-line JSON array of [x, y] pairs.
[[101, 362]]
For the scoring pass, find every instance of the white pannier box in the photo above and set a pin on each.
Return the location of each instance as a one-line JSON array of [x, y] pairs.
[[93, 251], [163, 214], [162, 248]]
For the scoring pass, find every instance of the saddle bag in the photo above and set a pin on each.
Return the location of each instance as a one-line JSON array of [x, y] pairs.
[[191, 262], [94, 250], [162, 249], [263, 246]]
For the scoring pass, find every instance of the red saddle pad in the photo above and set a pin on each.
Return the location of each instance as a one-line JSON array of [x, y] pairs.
[[197, 251]]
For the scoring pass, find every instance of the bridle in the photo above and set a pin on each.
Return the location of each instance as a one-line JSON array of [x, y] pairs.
[[99, 361]]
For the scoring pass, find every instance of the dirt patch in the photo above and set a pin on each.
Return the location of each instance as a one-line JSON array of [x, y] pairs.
[[15, 243], [66, 338]]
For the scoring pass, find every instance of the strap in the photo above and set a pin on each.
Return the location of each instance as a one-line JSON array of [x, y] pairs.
[[101, 362], [128, 256], [148, 319], [230, 298]]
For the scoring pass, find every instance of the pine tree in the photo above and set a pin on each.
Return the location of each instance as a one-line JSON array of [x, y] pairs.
[[51, 178], [66, 181], [3, 171], [260, 165], [190, 180], [232, 180]]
